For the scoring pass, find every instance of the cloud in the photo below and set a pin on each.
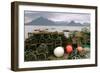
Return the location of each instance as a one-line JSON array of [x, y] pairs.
[[57, 16]]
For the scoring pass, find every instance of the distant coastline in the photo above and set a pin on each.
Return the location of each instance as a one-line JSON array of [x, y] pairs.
[[46, 22]]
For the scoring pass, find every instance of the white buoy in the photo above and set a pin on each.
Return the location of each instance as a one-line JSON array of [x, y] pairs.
[[59, 51]]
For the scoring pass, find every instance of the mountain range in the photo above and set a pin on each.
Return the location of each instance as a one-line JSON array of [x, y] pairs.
[[46, 22]]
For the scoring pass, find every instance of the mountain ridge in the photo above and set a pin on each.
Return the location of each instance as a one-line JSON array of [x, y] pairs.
[[47, 22]]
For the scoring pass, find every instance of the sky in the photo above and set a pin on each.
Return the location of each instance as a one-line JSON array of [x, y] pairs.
[[57, 16]]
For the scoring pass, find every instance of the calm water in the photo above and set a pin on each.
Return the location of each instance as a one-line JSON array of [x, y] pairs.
[[31, 28]]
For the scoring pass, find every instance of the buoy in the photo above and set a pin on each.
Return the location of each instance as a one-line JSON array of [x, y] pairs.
[[80, 49], [59, 51], [69, 49]]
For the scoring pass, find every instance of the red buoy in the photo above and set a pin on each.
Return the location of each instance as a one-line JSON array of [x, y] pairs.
[[69, 49]]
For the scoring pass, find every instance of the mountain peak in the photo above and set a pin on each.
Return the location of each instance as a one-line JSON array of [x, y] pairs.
[[42, 21], [41, 17]]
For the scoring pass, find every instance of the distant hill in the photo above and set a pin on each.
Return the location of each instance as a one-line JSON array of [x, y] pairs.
[[46, 22], [41, 21], [72, 23]]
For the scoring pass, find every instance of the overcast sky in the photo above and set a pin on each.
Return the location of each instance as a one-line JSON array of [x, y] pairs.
[[57, 16]]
